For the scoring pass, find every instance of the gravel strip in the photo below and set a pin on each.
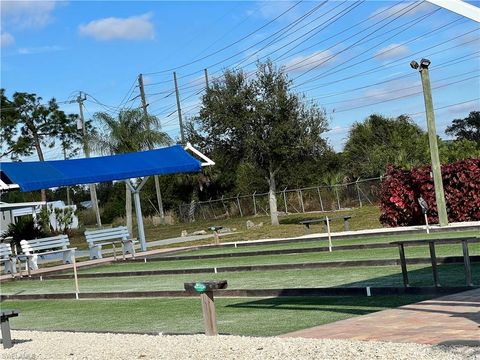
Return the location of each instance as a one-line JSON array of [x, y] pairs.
[[36, 345]]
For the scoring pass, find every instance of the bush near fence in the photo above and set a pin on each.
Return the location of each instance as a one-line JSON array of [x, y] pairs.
[[289, 201], [401, 189]]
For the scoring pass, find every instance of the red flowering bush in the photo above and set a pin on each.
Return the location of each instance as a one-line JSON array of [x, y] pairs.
[[401, 189]]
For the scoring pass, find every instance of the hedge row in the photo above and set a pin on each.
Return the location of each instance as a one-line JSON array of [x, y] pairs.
[[401, 189]]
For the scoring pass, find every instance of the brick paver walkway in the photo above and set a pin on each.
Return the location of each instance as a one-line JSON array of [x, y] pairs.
[[453, 319]]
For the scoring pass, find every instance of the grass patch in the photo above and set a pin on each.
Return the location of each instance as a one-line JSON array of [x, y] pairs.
[[324, 256], [380, 276], [253, 316], [362, 218]]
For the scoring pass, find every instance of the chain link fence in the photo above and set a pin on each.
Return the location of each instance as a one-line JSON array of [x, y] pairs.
[[289, 201]]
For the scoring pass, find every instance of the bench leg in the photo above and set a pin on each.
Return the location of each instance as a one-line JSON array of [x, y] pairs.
[[67, 257], [128, 248], [10, 267], [32, 262], [96, 252], [6, 336]]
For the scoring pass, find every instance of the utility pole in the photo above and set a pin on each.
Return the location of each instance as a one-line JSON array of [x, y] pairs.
[[68, 187], [86, 150], [432, 139], [206, 79], [157, 182], [179, 109]]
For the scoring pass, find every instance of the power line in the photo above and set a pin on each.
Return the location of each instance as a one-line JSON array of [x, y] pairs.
[[406, 10], [401, 97], [399, 60], [229, 45]]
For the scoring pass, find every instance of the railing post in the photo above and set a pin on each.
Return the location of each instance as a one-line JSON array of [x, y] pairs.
[[466, 262], [433, 259], [403, 264], [254, 204]]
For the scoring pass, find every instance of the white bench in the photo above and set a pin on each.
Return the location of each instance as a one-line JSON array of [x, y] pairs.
[[118, 235], [45, 246], [6, 257]]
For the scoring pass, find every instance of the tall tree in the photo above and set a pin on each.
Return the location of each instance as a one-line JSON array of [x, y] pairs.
[[261, 122], [130, 131], [378, 141], [467, 128], [28, 125]]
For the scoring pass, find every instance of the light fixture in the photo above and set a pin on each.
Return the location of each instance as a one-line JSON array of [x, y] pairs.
[[413, 64], [424, 63]]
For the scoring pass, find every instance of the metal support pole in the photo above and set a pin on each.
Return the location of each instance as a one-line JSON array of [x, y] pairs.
[[239, 206], [320, 197], [179, 109], [338, 197], [300, 197], [138, 212], [358, 193]]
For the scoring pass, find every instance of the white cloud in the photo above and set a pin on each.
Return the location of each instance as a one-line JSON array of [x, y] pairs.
[[391, 51], [27, 14], [402, 8], [307, 62], [6, 39], [131, 28]]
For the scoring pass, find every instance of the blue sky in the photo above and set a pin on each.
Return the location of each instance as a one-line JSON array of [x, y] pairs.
[[350, 57]]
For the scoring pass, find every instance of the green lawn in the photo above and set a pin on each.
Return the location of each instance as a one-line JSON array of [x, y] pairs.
[[420, 275], [252, 316], [339, 255], [362, 218], [324, 242]]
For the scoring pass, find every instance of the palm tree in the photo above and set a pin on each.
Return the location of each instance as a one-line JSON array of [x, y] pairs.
[[130, 131]]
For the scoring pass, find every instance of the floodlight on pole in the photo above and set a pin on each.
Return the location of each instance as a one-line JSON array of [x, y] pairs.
[[432, 140]]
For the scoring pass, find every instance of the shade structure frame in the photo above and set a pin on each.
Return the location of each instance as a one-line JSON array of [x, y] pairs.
[[170, 160]]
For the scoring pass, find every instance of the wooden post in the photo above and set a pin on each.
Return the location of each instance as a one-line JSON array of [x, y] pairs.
[[208, 305], [433, 258], [403, 264], [209, 316], [329, 235], [254, 204], [74, 263], [466, 262], [6, 335]]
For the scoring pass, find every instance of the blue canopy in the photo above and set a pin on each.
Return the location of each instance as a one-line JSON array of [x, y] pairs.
[[38, 175]]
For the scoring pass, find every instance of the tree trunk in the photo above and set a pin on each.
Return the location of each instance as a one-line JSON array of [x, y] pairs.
[[41, 158], [273, 199], [128, 209]]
